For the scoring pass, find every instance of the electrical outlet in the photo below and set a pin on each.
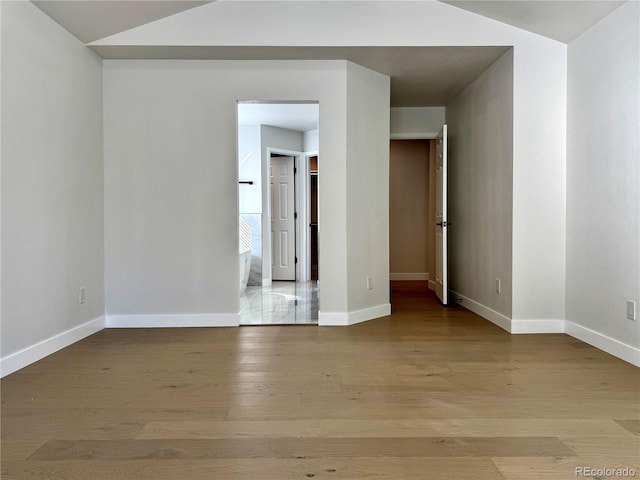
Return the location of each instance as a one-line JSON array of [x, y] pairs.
[[81, 295], [369, 283], [631, 309], [498, 286]]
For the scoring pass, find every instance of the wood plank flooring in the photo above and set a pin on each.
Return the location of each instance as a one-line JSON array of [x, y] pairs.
[[427, 393]]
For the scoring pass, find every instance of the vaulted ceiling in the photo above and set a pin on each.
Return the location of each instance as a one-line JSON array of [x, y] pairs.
[[562, 20], [90, 20]]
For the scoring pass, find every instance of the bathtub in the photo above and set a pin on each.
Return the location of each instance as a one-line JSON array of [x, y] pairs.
[[245, 254]]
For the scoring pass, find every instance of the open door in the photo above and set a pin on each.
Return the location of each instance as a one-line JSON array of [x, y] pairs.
[[442, 285]]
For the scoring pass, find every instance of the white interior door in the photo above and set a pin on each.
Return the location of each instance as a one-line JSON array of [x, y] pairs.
[[283, 236], [442, 286]]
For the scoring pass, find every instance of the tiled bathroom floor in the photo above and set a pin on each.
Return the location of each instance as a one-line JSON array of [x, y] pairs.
[[281, 303]]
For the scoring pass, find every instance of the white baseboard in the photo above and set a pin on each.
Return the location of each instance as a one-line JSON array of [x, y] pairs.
[[506, 323], [547, 325], [332, 319], [409, 276], [326, 319], [499, 319], [20, 359], [370, 313], [174, 320], [610, 345], [432, 285]]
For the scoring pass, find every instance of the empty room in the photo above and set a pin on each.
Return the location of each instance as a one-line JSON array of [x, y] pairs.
[[432, 272]]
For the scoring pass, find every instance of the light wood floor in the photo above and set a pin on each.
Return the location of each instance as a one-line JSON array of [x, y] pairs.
[[428, 393]]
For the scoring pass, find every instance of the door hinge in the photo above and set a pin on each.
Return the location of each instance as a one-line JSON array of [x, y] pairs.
[[295, 170], [295, 215], [296, 259]]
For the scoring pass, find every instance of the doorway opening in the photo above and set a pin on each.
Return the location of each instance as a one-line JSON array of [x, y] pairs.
[[275, 143], [417, 214], [312, 162]]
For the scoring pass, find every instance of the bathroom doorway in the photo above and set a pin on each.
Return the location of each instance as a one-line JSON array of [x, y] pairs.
[[276, 230]]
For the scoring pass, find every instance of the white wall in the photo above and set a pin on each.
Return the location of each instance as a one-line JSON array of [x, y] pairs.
[[171, 181], [310, 141], [480, 126], [603, 181], [52, 183], [283, 138], [249, 169], [367, 192], [539, 102], [408, 122], [539, 186]]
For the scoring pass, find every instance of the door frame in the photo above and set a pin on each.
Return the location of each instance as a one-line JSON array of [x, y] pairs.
[[300, 193], [442, 284], [418, 136], [307, 212]]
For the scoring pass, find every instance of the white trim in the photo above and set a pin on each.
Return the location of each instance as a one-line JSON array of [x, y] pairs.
[[414, 136], [432, 285], [409, 276], [369, 313], [302, 222], [20, 359], [543, 325], [626, 352], [442, 182], [331, 319], [499, 319], [174, 320], [266, 219], [512, 326], [304, 215], [326, 319]]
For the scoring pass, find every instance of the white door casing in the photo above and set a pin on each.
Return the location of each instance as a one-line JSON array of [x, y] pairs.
[[282, 214], [442, 280]]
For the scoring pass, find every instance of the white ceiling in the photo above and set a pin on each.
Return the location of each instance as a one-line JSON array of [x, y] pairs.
[[294, 116], [562, 20], [91, 20]]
